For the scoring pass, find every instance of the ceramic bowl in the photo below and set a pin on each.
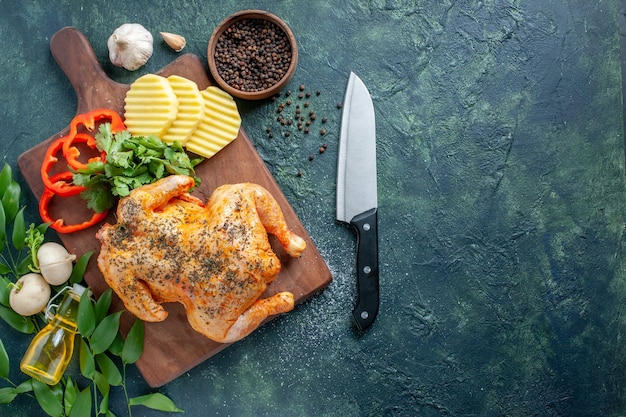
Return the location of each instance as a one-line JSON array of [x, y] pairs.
[[241, 55]]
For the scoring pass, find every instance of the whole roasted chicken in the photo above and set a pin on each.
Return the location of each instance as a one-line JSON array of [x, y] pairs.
[[215, 259]]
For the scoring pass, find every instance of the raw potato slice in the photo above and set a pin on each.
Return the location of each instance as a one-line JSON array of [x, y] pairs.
[[219, 125], [151, 106], [190, 110]]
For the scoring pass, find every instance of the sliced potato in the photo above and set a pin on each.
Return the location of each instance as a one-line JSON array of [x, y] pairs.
[[151, 106], [219, 125], [190, 110]]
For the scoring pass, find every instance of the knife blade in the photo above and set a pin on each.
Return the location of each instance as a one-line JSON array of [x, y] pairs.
[[357, 195]]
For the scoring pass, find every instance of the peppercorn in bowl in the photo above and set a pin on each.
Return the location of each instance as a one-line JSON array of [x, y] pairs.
[[252, 54]]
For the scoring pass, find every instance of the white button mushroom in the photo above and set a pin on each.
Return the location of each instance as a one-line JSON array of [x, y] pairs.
[[29, 295], [55, 263]]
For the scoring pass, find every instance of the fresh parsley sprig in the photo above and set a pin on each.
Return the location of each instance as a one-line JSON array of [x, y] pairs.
[[131, 161]]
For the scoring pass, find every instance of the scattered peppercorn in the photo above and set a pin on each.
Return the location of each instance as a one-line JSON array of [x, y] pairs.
[[302, 87], [311, 157], [339, 105], [252, 54], [322, 132], [324, 119], [318, 92], [287, 134], [287, 93]]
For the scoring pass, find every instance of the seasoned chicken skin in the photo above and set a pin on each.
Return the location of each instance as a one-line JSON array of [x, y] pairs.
[[215, 259]]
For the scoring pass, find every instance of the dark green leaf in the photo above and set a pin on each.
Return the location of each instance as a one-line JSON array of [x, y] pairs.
[[20, 323], [11, 200], [78, 272], [6, 177], [7, 395], [4, 269], [5, 290], [4, 362], [101, 383], [47, 398], [82, 405], [86, 318], [104, 406], [117, 346], [105, 332], [109, 369], [133, 345], [103, 304], [19, 230], [156, 401], [87, 362], [3, 228], [42, 228], [71, 391], [24, 387], [23, 267]]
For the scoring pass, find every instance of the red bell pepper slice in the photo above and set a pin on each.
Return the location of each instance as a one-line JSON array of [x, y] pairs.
[[89, 120], [62, 186], [59, 224]]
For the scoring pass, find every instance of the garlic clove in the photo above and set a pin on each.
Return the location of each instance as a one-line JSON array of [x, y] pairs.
[[130, 46], [176, 42]]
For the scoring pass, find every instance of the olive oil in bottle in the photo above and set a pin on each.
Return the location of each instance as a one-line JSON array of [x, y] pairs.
[[51, 349]]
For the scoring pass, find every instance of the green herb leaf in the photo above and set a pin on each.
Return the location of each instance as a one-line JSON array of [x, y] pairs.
[[78, 272], [20, 323], [19, 230], [133, 345], [105, 332], [11, 200], [48, 399], [156, 401], [82, 405], [3, 227], [104, 406], [86, 318], [34, 239], [24, 267], [109, 369], [5, 290], [4, 269], [7, 395], [103, 304], [117, 346], [87, 362], [6, 176], [132, 161], [4, 362], [101, 383], [71, 391]]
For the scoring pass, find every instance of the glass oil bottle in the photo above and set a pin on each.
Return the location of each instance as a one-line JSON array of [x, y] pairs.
[[51, 349]]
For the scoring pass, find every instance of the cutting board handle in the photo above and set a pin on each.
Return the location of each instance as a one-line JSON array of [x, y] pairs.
[[76, 57]]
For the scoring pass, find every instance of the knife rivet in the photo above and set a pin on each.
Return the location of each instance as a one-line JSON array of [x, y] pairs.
[[364, 315], [366, 227], [367, 269]]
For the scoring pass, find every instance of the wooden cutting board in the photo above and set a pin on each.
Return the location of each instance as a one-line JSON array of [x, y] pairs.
[[172, 347]]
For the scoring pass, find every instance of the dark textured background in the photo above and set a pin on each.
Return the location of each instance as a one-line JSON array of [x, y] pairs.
[[501, 192]]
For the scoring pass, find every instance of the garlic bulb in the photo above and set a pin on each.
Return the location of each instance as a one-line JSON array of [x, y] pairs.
[[130, 46]]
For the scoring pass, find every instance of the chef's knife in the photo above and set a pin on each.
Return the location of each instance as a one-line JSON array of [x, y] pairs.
[[357, 196]]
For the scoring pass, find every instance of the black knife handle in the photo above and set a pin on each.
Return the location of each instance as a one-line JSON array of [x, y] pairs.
[[366, 225]]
